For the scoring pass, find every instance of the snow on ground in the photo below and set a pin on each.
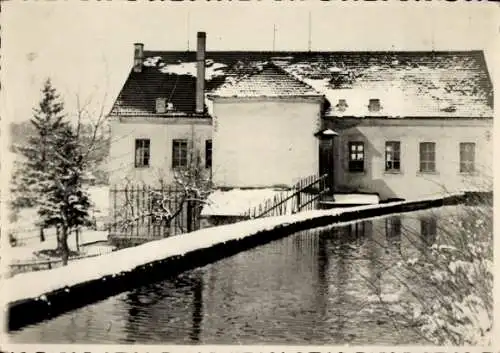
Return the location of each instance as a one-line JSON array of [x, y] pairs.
[[356, 199], [26, 223], [27, 233], [237, 202], [99, 195], [26, 251], [22, 286]]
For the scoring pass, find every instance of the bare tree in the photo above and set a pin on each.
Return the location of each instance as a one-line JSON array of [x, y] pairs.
[[189, 189]]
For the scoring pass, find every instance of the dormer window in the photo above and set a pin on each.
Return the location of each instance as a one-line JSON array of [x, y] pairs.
[[342, 105], [161, 105], [374, 105]]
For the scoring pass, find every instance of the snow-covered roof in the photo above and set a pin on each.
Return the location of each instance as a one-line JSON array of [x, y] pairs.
[[269, 81], [408, 84]]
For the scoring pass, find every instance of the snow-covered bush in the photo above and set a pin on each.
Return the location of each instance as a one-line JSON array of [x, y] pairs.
[[449, 280]]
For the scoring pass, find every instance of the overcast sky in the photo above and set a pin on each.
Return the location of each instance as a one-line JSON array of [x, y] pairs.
[[86, 47]]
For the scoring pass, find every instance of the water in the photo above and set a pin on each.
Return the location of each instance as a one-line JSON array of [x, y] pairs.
[[313, 287]]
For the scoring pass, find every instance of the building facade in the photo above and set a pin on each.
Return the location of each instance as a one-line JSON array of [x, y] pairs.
[[400, 124], [410, 158]]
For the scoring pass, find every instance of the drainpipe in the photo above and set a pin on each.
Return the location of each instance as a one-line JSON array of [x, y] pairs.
[[200, 75]]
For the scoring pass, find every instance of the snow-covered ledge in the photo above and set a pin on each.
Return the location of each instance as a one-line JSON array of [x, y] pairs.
[[39, 291]]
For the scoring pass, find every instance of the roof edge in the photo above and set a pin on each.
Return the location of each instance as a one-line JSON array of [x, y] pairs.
[[277, 53]]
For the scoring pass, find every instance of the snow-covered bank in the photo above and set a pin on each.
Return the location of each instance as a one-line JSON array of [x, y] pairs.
[[237, 202], [354, 199], [22, 287]]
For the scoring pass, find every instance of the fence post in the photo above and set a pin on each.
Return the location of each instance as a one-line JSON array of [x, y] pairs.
[[149, 207], [298, 200], [77, 236], [137, 211], [114, 192]]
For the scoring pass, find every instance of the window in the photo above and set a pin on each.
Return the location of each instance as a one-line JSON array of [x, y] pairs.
[[374, 105], [427, 157], [179, 153], [467, 157], [356, 230], [161, 105], [142, 153], [356, 156], [392, 156], [208, 154]]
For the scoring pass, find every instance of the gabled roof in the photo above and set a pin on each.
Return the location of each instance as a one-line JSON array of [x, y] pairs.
[[408, 84], [269, 81], [139, 94]]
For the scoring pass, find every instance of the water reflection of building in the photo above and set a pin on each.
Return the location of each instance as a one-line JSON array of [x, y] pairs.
[[276, 291], [393, 232], [405, 233], [428, 230]]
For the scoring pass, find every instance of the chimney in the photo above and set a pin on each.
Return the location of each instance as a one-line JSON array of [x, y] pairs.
[[200, 75], [374, 105], [138, 56]]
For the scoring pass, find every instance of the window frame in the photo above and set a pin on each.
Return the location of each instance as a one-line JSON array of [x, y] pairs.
[[466, 162], [356, 164], [179, 147], [427, 165], [396, 152], [142, 153]]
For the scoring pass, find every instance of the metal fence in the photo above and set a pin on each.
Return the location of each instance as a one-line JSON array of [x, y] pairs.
[[142, 213]]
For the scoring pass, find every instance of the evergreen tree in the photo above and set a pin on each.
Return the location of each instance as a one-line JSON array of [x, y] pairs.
[[29, 176], [65, 204]]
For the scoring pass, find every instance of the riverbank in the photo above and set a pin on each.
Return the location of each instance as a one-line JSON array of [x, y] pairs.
[[89, 280]]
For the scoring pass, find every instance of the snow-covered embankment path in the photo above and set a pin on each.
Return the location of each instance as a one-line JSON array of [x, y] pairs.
[[35, 295]]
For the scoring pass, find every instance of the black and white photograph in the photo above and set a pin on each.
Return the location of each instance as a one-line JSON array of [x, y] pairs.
[[248, 173]]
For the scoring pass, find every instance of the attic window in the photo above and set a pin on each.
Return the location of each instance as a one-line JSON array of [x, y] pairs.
[[342, 105], [161, 105], [374, 105]]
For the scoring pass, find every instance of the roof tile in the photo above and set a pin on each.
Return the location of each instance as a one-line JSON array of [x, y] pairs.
[[454, 84]]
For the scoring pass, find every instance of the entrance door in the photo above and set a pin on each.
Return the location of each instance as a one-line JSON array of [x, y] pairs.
[[326, 161]]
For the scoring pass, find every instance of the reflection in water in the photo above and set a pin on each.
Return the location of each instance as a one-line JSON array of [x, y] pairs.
[[428, 229], [311, 287], [197, 311], [393, 232]]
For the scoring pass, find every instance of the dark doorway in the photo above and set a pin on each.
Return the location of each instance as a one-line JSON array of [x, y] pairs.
[[326, 161]]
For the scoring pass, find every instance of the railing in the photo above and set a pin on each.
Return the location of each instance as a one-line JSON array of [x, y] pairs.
[[143, 213], [302, 197]]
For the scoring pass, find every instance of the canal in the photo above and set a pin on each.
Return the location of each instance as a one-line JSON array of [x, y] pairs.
[[312, 287]]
